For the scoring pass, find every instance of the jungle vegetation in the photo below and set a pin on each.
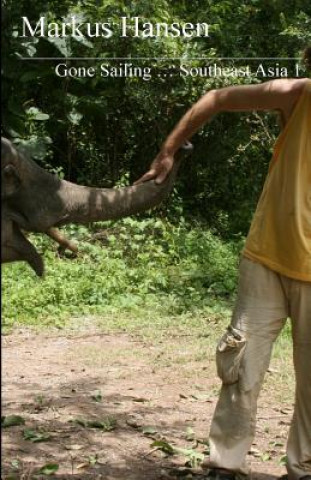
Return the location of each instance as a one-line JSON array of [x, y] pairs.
[[105, 131]]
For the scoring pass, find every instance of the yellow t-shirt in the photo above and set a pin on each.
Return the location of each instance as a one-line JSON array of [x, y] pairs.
[[280, 233]]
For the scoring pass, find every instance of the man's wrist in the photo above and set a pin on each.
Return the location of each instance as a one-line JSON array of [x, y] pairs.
[[168, 150]]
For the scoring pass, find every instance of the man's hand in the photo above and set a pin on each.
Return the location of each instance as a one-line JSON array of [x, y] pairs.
[[159, 169]]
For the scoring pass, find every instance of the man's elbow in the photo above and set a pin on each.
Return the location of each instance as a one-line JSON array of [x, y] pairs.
[[214, 98]]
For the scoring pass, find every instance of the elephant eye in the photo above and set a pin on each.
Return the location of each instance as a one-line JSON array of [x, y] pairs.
[[10, 169]]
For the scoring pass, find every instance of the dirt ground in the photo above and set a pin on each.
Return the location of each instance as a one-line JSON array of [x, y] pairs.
[[60, 382]]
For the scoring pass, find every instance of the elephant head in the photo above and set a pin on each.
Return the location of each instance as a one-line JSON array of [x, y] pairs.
[[36, 201]]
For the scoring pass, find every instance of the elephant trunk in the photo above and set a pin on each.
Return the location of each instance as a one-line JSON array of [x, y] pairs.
[[84, 204], [36, 201], [43, 201]]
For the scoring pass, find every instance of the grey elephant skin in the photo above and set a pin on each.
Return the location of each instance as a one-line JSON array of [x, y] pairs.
[[33, 200]]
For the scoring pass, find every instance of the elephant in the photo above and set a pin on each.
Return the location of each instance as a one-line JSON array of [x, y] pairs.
[[34, 200]]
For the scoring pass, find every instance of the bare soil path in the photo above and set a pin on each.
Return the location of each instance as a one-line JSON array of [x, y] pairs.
[[137, 392]]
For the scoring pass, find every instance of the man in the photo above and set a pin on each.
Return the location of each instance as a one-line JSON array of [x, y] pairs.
[[275, 274]]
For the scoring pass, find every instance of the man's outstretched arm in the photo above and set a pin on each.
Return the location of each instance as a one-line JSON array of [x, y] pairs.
[[274, 95]]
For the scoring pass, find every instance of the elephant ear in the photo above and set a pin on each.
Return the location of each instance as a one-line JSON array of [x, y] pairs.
[[10, 180]]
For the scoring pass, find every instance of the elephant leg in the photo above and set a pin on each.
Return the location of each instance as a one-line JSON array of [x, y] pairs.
[[63, 242]]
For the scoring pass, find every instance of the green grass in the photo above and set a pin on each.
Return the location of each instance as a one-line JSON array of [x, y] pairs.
[[148, 268], [146, 277]]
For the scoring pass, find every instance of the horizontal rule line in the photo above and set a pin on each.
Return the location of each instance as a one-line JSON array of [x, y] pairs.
[[157, 58]]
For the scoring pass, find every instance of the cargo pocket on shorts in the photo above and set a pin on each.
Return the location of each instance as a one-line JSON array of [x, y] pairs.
[[229, 353]]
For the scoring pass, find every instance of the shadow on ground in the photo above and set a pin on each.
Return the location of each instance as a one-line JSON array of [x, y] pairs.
[[60, 385]]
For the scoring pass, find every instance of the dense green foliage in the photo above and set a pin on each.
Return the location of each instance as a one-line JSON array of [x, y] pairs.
[[100, 130], [129, 266]]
